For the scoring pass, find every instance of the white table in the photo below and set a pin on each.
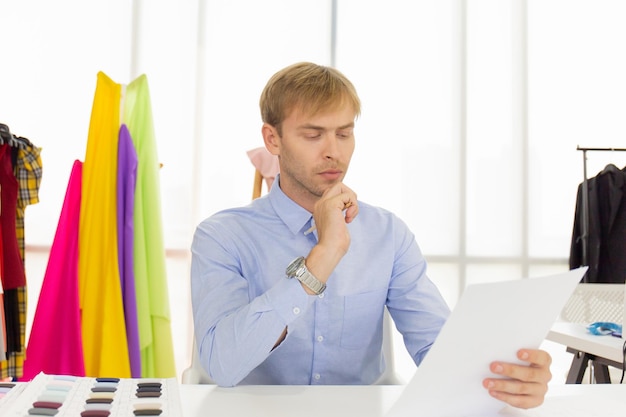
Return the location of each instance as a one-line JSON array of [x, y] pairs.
[[571, 400], [602, 350], [606, 400]]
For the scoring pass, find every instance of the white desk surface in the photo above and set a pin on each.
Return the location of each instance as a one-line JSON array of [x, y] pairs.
[[572, 400], [575, 336]]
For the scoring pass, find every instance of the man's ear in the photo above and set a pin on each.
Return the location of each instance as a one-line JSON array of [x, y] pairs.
[[271, 139]]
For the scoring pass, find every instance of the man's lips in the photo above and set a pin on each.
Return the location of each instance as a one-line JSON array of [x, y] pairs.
[[331, 174]]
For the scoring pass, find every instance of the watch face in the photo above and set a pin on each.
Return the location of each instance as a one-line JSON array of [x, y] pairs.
[[297, 269], [293, 267]]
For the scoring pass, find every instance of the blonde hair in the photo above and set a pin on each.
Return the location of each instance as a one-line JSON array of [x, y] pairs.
[[310, 86]]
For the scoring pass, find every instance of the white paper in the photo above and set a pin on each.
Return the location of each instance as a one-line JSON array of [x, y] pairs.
[[490, 322]]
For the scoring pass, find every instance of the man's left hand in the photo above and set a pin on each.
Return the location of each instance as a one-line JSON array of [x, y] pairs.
[[522, 386]]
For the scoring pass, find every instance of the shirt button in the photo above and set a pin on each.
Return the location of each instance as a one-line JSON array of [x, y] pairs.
[[296, 310], [320, 338], [317, 376], [321, 295]]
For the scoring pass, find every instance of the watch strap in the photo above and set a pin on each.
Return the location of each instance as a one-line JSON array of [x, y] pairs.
[[297, 269], [311, 282]]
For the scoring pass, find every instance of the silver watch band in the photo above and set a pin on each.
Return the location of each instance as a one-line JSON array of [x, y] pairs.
[[297, 269], [311, 282]]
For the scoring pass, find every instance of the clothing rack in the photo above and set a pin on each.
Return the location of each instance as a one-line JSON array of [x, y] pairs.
[[585, 196]]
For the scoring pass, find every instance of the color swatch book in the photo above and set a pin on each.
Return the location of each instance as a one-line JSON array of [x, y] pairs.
[[65, 396]]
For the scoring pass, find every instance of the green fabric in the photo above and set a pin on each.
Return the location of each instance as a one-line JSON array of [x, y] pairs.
[[153, 310]]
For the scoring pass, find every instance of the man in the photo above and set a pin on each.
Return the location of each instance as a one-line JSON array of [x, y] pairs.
[[291, 289]]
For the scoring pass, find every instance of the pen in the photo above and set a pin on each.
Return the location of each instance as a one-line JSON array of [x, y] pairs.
[[310, 229]]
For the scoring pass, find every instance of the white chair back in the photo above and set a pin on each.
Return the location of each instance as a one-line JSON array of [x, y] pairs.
[[195, 373]]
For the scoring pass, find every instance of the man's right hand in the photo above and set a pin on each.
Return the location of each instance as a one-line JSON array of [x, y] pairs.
[[332, 232], [330, 218]]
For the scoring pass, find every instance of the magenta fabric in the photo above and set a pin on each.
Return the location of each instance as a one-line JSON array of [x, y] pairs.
[[126, 181], [55, 342]]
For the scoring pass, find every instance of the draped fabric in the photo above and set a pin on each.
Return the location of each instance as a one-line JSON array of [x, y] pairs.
[[3, 333], [265, 163], [28, 171], [105, 344], [12, 273], [153, 309], [126, 181], [57, 315], [104, 303], [21, 174]]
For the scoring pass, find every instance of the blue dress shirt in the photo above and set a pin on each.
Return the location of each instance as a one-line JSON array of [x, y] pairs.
[[242, 300]]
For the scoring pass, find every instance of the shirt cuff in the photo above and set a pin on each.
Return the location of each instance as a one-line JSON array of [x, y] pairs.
[[289, 300]]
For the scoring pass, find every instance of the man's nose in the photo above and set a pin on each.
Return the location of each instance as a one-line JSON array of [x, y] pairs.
[[331, 150]]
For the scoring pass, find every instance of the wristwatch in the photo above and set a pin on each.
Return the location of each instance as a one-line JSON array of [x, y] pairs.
[[297, 269]]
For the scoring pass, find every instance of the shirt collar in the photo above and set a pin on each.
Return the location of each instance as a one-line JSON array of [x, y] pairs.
[[291, 213]]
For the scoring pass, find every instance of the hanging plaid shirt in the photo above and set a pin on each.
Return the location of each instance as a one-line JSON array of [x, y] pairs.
[[28, 172]]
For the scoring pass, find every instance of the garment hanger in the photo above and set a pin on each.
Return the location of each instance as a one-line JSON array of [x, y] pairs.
[[5, 134], [21, 142], [6, 137]]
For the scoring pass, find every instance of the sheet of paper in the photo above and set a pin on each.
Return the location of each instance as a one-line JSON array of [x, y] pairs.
[[490, 322]]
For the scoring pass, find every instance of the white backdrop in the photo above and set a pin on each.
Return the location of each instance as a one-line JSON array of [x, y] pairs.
[[472, 111]]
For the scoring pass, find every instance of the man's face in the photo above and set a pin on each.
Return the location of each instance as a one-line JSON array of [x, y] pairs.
[[315, 151]]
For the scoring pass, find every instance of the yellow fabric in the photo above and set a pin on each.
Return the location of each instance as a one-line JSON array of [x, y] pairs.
[[102, 312], [153, 310]]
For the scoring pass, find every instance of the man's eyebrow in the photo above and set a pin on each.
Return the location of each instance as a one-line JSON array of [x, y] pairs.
[[310, 126], [315, 127]]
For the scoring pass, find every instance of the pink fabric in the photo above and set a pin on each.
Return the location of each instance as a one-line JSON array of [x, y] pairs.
[[55, 342], [265, 163]]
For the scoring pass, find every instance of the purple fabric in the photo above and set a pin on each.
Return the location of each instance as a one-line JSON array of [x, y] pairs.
[[126, 179]]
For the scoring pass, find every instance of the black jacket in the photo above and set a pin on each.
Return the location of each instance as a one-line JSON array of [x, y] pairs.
[[606, 241]]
